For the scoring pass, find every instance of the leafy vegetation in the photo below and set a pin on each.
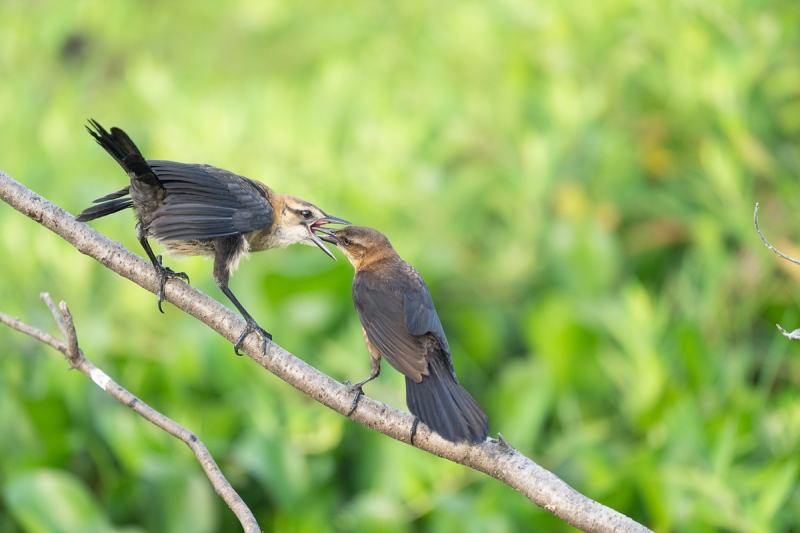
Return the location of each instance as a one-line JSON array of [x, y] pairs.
[[575, 181]]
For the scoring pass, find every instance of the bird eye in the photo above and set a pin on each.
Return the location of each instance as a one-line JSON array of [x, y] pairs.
[[346, 241], [306, 214]]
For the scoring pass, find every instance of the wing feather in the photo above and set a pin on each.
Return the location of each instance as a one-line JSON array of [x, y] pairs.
[[399, 319], [205, 202]]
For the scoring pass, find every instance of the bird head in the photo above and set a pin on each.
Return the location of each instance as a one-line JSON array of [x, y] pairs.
[[361, 246], [298, 221]]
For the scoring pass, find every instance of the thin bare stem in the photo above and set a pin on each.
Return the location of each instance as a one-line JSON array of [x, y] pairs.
[[69, 328], [794, 335], [768, 245], [45, 297], [74, 355], [37, 334]]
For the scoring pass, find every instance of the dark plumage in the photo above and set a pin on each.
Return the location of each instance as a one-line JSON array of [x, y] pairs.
[[400, 325], [192, 209]]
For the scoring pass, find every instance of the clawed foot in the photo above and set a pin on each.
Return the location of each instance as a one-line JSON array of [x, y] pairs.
[[414, 429], [359, 393], [252, 327], [165, 273]]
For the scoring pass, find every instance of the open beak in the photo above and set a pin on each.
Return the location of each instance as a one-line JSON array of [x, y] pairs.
[[327, 235], [327, 219], [326, 232], [318, 241]]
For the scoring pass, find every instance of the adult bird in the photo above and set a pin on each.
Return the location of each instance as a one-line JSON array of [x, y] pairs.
[[192, 209], [400, 325]]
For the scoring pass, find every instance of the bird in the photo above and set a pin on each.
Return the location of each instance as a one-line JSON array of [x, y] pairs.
[[400, 324], [196, 209]]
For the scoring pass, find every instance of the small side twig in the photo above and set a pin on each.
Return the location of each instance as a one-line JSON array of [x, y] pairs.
[[794, 335], [74, 355], [768, 245]]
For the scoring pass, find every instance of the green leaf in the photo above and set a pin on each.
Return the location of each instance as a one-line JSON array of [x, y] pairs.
[[51, 501]]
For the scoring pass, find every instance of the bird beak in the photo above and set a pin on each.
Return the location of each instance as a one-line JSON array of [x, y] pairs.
[[327, 219], [317, 226], [328, 235], [316, 240]]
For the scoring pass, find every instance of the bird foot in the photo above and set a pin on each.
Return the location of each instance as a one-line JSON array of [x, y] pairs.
[[165, 273], [252, 327], [359, 393], [414, 429]]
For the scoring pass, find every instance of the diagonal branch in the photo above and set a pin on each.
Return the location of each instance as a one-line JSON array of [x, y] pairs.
[[74, 355], [493, 457]]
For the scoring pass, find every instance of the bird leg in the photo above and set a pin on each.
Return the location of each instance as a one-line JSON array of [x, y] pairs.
[[414, 429], [227, 249], [252, 325], [357, 388], [359, 394], [164, 273]]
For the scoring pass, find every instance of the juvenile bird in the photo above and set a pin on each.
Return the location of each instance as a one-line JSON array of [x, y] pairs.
[[192, 209], [400, 324]]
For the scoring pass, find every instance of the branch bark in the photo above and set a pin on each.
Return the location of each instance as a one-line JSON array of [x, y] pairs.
[[76, 359], [494, 457]]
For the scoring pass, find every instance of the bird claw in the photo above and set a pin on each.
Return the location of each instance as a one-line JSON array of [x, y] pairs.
[[165, 273], [359, 393], [414, 429], [252, 327]]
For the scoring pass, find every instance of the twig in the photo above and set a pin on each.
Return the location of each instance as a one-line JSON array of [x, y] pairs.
[[503, 462], [794, 335], [37, 334], [76, 359], [768, 245]]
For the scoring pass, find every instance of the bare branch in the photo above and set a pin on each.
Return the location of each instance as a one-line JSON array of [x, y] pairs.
[[75, 356], [794, 335], [69, 327], [62, 327], [37, 334], [768, 245], [493, 457]]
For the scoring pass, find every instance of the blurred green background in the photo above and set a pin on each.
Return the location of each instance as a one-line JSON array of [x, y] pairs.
[[574, 180]]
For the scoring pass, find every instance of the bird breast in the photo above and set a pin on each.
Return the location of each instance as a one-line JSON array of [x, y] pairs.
[[276, 236], [188, 247]]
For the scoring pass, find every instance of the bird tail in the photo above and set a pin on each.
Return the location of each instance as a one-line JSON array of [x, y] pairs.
[[110, 203], [445, 406], [124, 151]]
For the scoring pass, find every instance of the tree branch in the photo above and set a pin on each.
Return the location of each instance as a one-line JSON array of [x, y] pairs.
[[793, 335], [768, 245], [74, 355], [493, 457]]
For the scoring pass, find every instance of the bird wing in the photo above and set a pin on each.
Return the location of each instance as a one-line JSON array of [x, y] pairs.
[[399, 320], [205, 202], [422, 319]]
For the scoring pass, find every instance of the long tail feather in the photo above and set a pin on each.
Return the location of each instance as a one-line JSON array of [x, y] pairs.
[[106, 208], [124, 151], [445, 406]]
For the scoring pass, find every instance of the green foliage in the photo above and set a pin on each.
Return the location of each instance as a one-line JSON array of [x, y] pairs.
[[575, 181]]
